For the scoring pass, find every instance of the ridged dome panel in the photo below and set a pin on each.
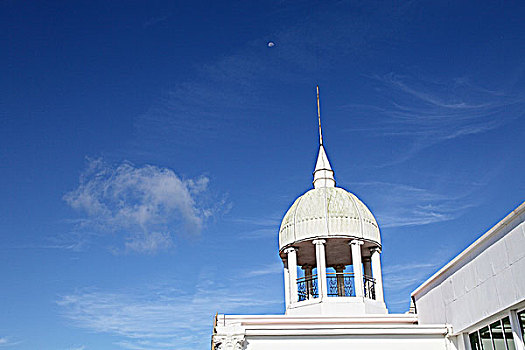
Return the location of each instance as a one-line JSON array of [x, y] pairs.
[[325, 212]]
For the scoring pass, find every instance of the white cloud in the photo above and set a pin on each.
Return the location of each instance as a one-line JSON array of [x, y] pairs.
[[148, 204], [401, 279], [429, 111], [403, 205], [446, 110], [406, 276], [218, 102], [269, 269], [163, 317], [80, 347], [257, 228], [8, 342]]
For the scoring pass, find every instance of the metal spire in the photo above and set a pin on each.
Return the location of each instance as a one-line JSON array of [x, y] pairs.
[[319, 117], [323, 173]]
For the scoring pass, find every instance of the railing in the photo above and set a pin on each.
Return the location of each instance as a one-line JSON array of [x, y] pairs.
[[370, 287], [307, 287], [339, 285]]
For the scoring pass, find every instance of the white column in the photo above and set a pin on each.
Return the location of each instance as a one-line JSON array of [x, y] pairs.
[[292, 273], [321, 267], [376, 273], [286, 284], [358, 269], [516, 330], [463, 342]]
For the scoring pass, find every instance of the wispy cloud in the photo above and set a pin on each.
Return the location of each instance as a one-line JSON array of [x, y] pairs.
[[147, 205], [156, 20], [214, 105], [259, 221], [431, 111], [446, 110], [403, 276], [254, 228], [77, 347], [401, 279], [403, 205], [269, 269], [6, 341], [163, 317], [221, 98]]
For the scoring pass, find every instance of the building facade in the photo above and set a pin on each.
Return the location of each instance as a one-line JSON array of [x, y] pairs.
[[481, 292], [330, 246]]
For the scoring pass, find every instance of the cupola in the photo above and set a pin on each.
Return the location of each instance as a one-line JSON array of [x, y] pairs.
[[330, 245]]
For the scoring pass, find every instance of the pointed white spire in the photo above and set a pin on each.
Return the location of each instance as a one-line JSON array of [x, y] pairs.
[[323, 173]]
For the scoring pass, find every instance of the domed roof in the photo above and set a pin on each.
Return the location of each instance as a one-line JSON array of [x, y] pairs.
[[327, 212]]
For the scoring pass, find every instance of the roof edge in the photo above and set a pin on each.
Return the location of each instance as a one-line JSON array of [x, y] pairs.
[[471, 248]]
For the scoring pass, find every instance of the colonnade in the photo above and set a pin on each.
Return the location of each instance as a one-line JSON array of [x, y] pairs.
[[371, 266]]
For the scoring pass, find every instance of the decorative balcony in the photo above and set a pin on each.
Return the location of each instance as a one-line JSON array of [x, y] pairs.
[[339, 285], [307, 287]]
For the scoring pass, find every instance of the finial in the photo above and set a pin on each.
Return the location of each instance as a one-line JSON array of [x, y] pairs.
[[319, 117]]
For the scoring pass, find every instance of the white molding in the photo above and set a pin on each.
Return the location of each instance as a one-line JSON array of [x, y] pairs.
[[472, 249]]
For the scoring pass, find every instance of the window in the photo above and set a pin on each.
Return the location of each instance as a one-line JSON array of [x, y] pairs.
[[498, 340], [496, 336], [474, 341], [507, 330], [486, 342], [521, 316]]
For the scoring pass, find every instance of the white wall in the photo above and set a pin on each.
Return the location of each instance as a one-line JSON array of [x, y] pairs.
[[485, 281], [276, 332], [345, 343]]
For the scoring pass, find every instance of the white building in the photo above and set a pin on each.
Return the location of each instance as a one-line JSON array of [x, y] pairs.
[[330, 245], [481, 292]]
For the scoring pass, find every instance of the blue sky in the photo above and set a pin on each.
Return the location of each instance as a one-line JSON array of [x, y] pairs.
[[149, 150]]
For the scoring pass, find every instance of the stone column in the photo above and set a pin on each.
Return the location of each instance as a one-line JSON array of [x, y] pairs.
[[339, 271], [292, 273], [358, 269], [320, 256], [516, 330], [286, 284], [376, 273]]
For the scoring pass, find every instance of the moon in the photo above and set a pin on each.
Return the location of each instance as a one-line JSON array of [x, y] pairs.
[[271, 44]]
